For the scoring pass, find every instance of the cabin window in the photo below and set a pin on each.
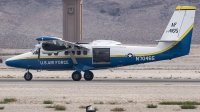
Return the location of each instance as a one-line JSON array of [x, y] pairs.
[[78, 52], [73, 52], [66, 53], [101, 55], [85, 52], [56, 54], [49, 54]]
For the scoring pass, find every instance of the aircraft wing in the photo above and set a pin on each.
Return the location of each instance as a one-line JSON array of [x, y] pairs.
[[58, 44]]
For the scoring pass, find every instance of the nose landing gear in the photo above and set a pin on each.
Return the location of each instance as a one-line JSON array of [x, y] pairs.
[[28, 76]]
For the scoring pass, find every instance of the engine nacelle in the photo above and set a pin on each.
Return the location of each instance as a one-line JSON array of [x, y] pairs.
[[48, 48], [48, 52]]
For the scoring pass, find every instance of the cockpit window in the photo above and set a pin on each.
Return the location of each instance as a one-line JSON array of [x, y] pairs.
[[35, 50]]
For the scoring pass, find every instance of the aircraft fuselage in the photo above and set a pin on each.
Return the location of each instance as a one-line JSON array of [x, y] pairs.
[[97, 57]]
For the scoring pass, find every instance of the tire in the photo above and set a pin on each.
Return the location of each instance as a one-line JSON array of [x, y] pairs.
[[28, 76], [76, 76], [89, 76]]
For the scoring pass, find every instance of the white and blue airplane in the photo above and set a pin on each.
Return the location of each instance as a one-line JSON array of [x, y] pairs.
[[53, 53]]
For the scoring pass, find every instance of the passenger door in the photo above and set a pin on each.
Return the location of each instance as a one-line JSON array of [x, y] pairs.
[[101, 55]]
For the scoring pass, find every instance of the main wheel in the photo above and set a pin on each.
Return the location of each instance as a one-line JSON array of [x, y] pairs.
[[76, 76], [88, 76], [28, 76]]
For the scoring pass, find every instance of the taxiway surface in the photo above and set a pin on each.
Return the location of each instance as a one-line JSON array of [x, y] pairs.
[[96, 81]]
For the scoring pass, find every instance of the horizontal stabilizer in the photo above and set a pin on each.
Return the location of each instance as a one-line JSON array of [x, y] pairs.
[[167, 40]]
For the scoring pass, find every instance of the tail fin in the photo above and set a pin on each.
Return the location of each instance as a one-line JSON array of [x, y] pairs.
[[177, 37]]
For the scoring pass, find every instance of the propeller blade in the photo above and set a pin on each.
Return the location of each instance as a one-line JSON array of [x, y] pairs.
[[39, 54]]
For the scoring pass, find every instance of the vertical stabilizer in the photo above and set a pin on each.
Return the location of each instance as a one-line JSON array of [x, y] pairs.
[[177, 36]]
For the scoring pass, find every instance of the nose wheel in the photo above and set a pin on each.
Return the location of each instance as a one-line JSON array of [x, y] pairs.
[[88, 75], [28, 76]]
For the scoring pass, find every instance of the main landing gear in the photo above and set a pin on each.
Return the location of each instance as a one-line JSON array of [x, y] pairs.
[[88, 76], [28, 76]]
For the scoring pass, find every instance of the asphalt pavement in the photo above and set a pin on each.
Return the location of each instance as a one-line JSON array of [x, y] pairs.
[[95, 81]]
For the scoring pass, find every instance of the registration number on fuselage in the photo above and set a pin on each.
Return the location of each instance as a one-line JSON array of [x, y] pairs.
[[145, 58], [61, 62]]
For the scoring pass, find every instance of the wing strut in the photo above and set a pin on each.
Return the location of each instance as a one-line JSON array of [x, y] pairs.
[[73, 58]]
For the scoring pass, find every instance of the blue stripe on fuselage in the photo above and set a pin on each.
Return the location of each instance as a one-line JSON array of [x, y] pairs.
[[67, 64]]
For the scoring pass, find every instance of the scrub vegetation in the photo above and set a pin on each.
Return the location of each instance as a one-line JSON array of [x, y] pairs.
[[1, 108], [50, 106], [152, 106], [60, 107], [113, 103], [57, 107], [184, 105], [82, 107], [118, 109], [96, 109], [8, 76], [188, 106], [68, 102], [8, 100], [117, 77], [48, 102], [98, 102], [179, 103], [130, 101]]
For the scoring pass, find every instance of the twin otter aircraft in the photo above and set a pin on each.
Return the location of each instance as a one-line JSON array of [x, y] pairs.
[[56, 54]]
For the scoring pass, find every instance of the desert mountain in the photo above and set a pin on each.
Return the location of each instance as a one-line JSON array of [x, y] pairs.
[[127, 21]]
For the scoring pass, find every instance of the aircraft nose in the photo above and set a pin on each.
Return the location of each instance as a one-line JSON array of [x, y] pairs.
[[14, 63], [17, 61], [8, 62]]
